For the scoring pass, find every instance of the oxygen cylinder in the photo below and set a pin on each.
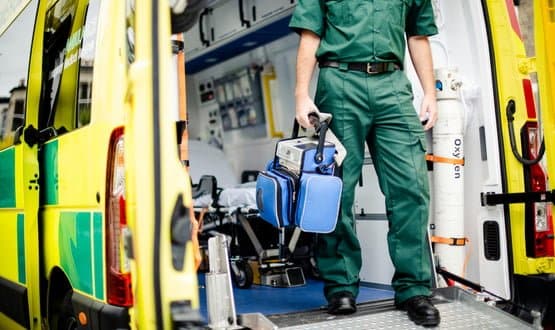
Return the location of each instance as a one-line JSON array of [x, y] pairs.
[[448, 173]]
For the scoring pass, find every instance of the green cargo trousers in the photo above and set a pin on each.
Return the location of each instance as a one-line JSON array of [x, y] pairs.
[[377, 109]]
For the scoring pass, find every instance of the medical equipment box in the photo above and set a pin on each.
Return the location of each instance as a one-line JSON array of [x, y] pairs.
[[297, 154], [298, 187]]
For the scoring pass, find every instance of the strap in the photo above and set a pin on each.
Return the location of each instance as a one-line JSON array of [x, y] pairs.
[[439, 159], [455, 241]]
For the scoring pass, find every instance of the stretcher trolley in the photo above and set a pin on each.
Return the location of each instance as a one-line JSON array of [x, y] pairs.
[[232, 212]]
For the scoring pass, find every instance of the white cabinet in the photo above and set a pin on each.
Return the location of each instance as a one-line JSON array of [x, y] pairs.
[[261, 10], [368, 197], [225, 20], [227, 28], [372, 227], [377, 267], [219, 21], [197, 38]]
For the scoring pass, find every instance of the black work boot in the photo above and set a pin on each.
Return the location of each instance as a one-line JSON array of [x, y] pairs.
[[342, 303], [421, 311]]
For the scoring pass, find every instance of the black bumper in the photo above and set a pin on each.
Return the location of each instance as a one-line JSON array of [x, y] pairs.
[[100, 316]]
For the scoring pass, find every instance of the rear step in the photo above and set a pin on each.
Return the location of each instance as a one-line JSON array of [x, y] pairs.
[[459, 310], [221, 304]]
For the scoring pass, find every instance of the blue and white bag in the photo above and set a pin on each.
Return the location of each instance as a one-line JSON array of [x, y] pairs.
[[298, 187]]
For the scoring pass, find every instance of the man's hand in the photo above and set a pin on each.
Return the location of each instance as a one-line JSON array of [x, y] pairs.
[[304, 106], [428, 111], [421, 56]]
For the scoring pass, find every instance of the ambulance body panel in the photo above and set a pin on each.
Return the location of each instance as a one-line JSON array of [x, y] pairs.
[[83, 123]]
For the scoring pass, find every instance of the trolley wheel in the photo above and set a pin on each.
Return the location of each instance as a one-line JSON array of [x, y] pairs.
[[242, 274]]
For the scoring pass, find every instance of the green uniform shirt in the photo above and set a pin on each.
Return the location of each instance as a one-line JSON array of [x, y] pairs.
[[364, 30]]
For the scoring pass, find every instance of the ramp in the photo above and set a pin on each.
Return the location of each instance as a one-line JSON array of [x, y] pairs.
[[459, 310]]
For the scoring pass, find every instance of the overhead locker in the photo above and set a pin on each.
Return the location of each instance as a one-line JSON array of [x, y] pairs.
[[228, 28], [224, 20], [261, 10], [196, 39]]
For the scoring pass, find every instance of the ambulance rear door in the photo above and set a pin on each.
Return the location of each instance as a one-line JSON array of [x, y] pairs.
[[158, 189], [19, 170], [525, 122]]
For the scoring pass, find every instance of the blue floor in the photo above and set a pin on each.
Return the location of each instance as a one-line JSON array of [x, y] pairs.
[[268, 300]]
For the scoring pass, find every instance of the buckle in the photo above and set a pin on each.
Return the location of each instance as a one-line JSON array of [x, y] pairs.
[[369, 68], [458, 241], [374, 68]]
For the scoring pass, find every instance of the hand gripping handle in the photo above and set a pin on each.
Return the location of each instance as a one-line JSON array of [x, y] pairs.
[[321, 128]]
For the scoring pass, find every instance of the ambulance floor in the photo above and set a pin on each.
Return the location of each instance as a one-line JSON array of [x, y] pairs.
[[269, 300]]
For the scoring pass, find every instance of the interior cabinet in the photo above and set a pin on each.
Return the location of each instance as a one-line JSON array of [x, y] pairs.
[[262, 10], [227, 28]]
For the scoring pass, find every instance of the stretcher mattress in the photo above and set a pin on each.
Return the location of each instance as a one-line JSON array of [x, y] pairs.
[[232, 198]]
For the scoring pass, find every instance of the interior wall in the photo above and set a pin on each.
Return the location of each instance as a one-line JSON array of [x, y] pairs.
[[253, 154]]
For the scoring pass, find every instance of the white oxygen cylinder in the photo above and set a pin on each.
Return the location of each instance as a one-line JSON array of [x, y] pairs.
[[448, 178]]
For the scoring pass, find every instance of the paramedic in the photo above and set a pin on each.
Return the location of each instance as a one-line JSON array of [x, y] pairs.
[[359, 46]]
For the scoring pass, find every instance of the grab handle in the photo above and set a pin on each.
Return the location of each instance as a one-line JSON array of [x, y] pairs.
[[321, 129], [314, 120]]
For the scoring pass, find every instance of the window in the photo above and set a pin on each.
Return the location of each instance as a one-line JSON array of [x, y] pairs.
[[59, 57], [15, 49], [68, 58], [86, 64]]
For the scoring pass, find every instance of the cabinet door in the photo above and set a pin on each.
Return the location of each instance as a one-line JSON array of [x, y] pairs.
[[197, 38], [225, 20], [263, 9]]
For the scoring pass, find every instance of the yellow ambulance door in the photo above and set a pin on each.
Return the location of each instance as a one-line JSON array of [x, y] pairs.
[[526, 131], [73, 154], [19, 173], [157, 187], [544, 26]]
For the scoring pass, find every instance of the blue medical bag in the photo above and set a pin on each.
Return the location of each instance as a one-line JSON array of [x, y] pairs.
[[274, 197], [298, 187]]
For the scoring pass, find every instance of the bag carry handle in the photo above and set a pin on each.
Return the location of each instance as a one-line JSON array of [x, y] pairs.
[[314, 120], [320, 127]]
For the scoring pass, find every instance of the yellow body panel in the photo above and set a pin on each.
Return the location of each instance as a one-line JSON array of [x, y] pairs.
[[8, 247], [544, 24], [8, 225], [31, 174], [510, 57], [121, 97], [25, 212], [82, 153], [7, 323]]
